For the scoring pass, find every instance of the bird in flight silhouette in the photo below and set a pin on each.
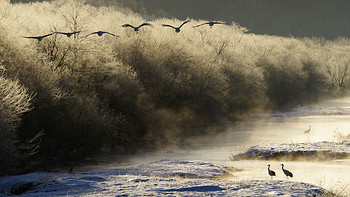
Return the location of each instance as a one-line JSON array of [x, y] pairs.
[[177, 29], [69, 34], [39, 38], [100, 33], [210, 23], [138, 27]]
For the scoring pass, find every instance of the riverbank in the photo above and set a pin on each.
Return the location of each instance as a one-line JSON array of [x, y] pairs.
[[161, 178]]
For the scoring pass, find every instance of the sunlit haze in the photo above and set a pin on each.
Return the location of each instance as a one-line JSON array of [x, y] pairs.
[[174, 98]]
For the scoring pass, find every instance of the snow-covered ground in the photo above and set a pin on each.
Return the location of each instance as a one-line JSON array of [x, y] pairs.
[[161, 178], [312, 151], [205, 168]]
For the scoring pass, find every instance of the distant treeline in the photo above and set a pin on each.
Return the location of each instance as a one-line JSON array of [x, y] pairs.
[[66, 98], [298, 18]]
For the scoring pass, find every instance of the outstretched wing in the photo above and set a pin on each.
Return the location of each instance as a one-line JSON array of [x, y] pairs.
[[164, 25], [110, 34], [128, 25], [145, 24], [201, 24], [57, 32], [184, 23], [32, 37], [65, 33], [46, 35], [91, 34], [38, 37]]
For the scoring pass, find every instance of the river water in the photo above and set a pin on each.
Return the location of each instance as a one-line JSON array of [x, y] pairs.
[[325, 118]]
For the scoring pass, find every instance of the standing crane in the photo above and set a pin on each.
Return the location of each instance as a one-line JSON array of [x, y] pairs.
[[177, 29], [308, 131], [271, 172], [286, 172]]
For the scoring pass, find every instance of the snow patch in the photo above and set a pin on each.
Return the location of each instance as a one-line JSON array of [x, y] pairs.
[[169, 168], [310, 111], [318, 151], [159, 178]]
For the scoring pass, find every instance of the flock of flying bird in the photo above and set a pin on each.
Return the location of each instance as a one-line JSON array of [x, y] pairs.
[[177, 30], [136, 29]]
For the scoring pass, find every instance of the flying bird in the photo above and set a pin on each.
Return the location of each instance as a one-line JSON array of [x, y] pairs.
[[39, 38], [286, 172], [210, 23], [308, 131], [100, 33], [69, 34], [138, 27], [271, 172], [177, 29]]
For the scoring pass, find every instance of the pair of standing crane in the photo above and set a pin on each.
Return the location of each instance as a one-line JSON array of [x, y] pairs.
[[286, 172], [273, 173], [136, 29]]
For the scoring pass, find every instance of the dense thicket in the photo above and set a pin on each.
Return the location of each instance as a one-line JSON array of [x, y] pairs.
[[151, 89]]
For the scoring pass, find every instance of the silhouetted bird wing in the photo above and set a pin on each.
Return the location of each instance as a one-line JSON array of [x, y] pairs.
[[38, 37], [67, 33], [169, 26], [128, 25], [201, 24], [184, 23], [32, 37], [91, 34], [110, 33], [46, 35], [145, 24], [57, 32]]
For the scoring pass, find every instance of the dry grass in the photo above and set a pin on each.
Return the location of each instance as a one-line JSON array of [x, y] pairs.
[[340, 135]]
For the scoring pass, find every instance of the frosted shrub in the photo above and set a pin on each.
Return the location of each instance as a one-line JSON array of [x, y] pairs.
[[153, 88], [285, 85], [14, 101]]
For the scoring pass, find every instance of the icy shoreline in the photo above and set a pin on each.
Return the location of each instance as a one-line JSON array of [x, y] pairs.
[[311, 151], [161, 178], [180, 177]]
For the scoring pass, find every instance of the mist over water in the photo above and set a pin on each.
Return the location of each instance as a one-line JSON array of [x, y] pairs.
[[325, 118], [145, 90]]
